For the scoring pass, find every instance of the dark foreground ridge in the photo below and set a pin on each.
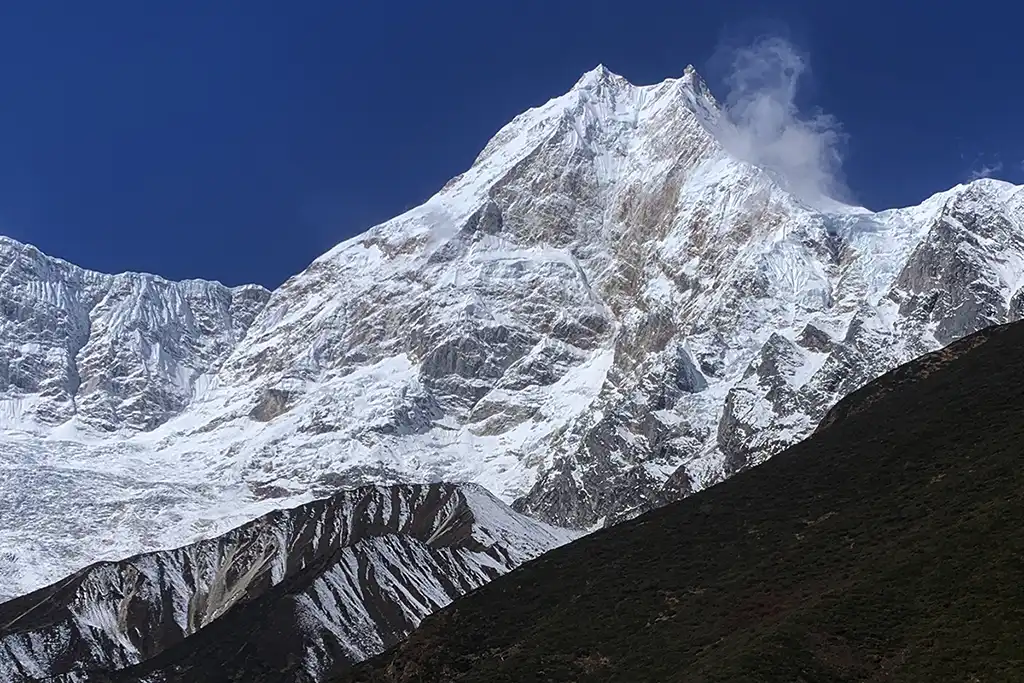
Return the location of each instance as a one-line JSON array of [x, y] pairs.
[[299, 594], [887, 547]]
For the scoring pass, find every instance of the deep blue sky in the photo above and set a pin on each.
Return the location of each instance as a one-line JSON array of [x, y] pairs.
[[237, 140]]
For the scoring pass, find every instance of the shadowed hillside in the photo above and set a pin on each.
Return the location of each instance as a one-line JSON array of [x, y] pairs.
[[887, 547]]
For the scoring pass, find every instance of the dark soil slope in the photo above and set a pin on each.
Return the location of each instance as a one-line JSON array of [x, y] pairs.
[[888, 547]]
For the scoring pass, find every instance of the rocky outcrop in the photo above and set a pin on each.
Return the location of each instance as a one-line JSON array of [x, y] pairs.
[[347, 576], [115, 352]]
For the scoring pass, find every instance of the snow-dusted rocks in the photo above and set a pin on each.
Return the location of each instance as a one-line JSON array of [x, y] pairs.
[[605, 312], [349, 576], [112, 351]]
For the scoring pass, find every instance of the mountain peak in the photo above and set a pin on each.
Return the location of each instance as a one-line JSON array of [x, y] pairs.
[[697, 84], [701, 99], [598, 76], [691, 76]]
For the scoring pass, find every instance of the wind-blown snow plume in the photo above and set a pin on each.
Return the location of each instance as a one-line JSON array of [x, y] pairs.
[[986, 170], [766, 127]]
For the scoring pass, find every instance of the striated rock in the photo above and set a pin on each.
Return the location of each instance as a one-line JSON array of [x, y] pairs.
[[114, 352], [272, 403], [347, 576]]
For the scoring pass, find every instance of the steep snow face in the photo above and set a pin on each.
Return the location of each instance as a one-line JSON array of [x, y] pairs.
[[597, 317], [463, 339], [113, 352], [604, 313], [340, 579]]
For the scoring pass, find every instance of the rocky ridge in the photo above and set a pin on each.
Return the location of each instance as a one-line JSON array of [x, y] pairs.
[[347, 576]]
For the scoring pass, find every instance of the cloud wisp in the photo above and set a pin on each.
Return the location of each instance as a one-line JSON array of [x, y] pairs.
[[985, 170], [765, 127]]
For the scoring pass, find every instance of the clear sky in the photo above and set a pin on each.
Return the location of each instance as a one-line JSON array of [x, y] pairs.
[[237, 140]]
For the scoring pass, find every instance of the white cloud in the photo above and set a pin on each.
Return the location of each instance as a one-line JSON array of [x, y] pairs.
[[767, 128], [985, 170]]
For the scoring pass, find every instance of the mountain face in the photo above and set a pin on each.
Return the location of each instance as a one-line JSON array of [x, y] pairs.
[[112, 352], [608, 311], [337, 580], [893, 553]]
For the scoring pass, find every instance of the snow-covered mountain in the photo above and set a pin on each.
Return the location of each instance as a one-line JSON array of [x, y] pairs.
[[344, 578], [607, 311], [109, 352]]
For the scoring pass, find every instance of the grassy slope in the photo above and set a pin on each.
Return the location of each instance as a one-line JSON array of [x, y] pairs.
[[888, 547]]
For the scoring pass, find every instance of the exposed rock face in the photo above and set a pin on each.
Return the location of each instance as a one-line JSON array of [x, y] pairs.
[[114, 351], [354, 573], [606, 312]]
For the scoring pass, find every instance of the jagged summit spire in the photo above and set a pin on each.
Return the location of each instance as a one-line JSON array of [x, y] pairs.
[[602, 75], [703, 100], [599, 75], [696, 81]]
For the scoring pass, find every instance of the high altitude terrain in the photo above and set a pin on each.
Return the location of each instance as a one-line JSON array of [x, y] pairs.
[[606, 312], [887, 547], [336, 581]]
